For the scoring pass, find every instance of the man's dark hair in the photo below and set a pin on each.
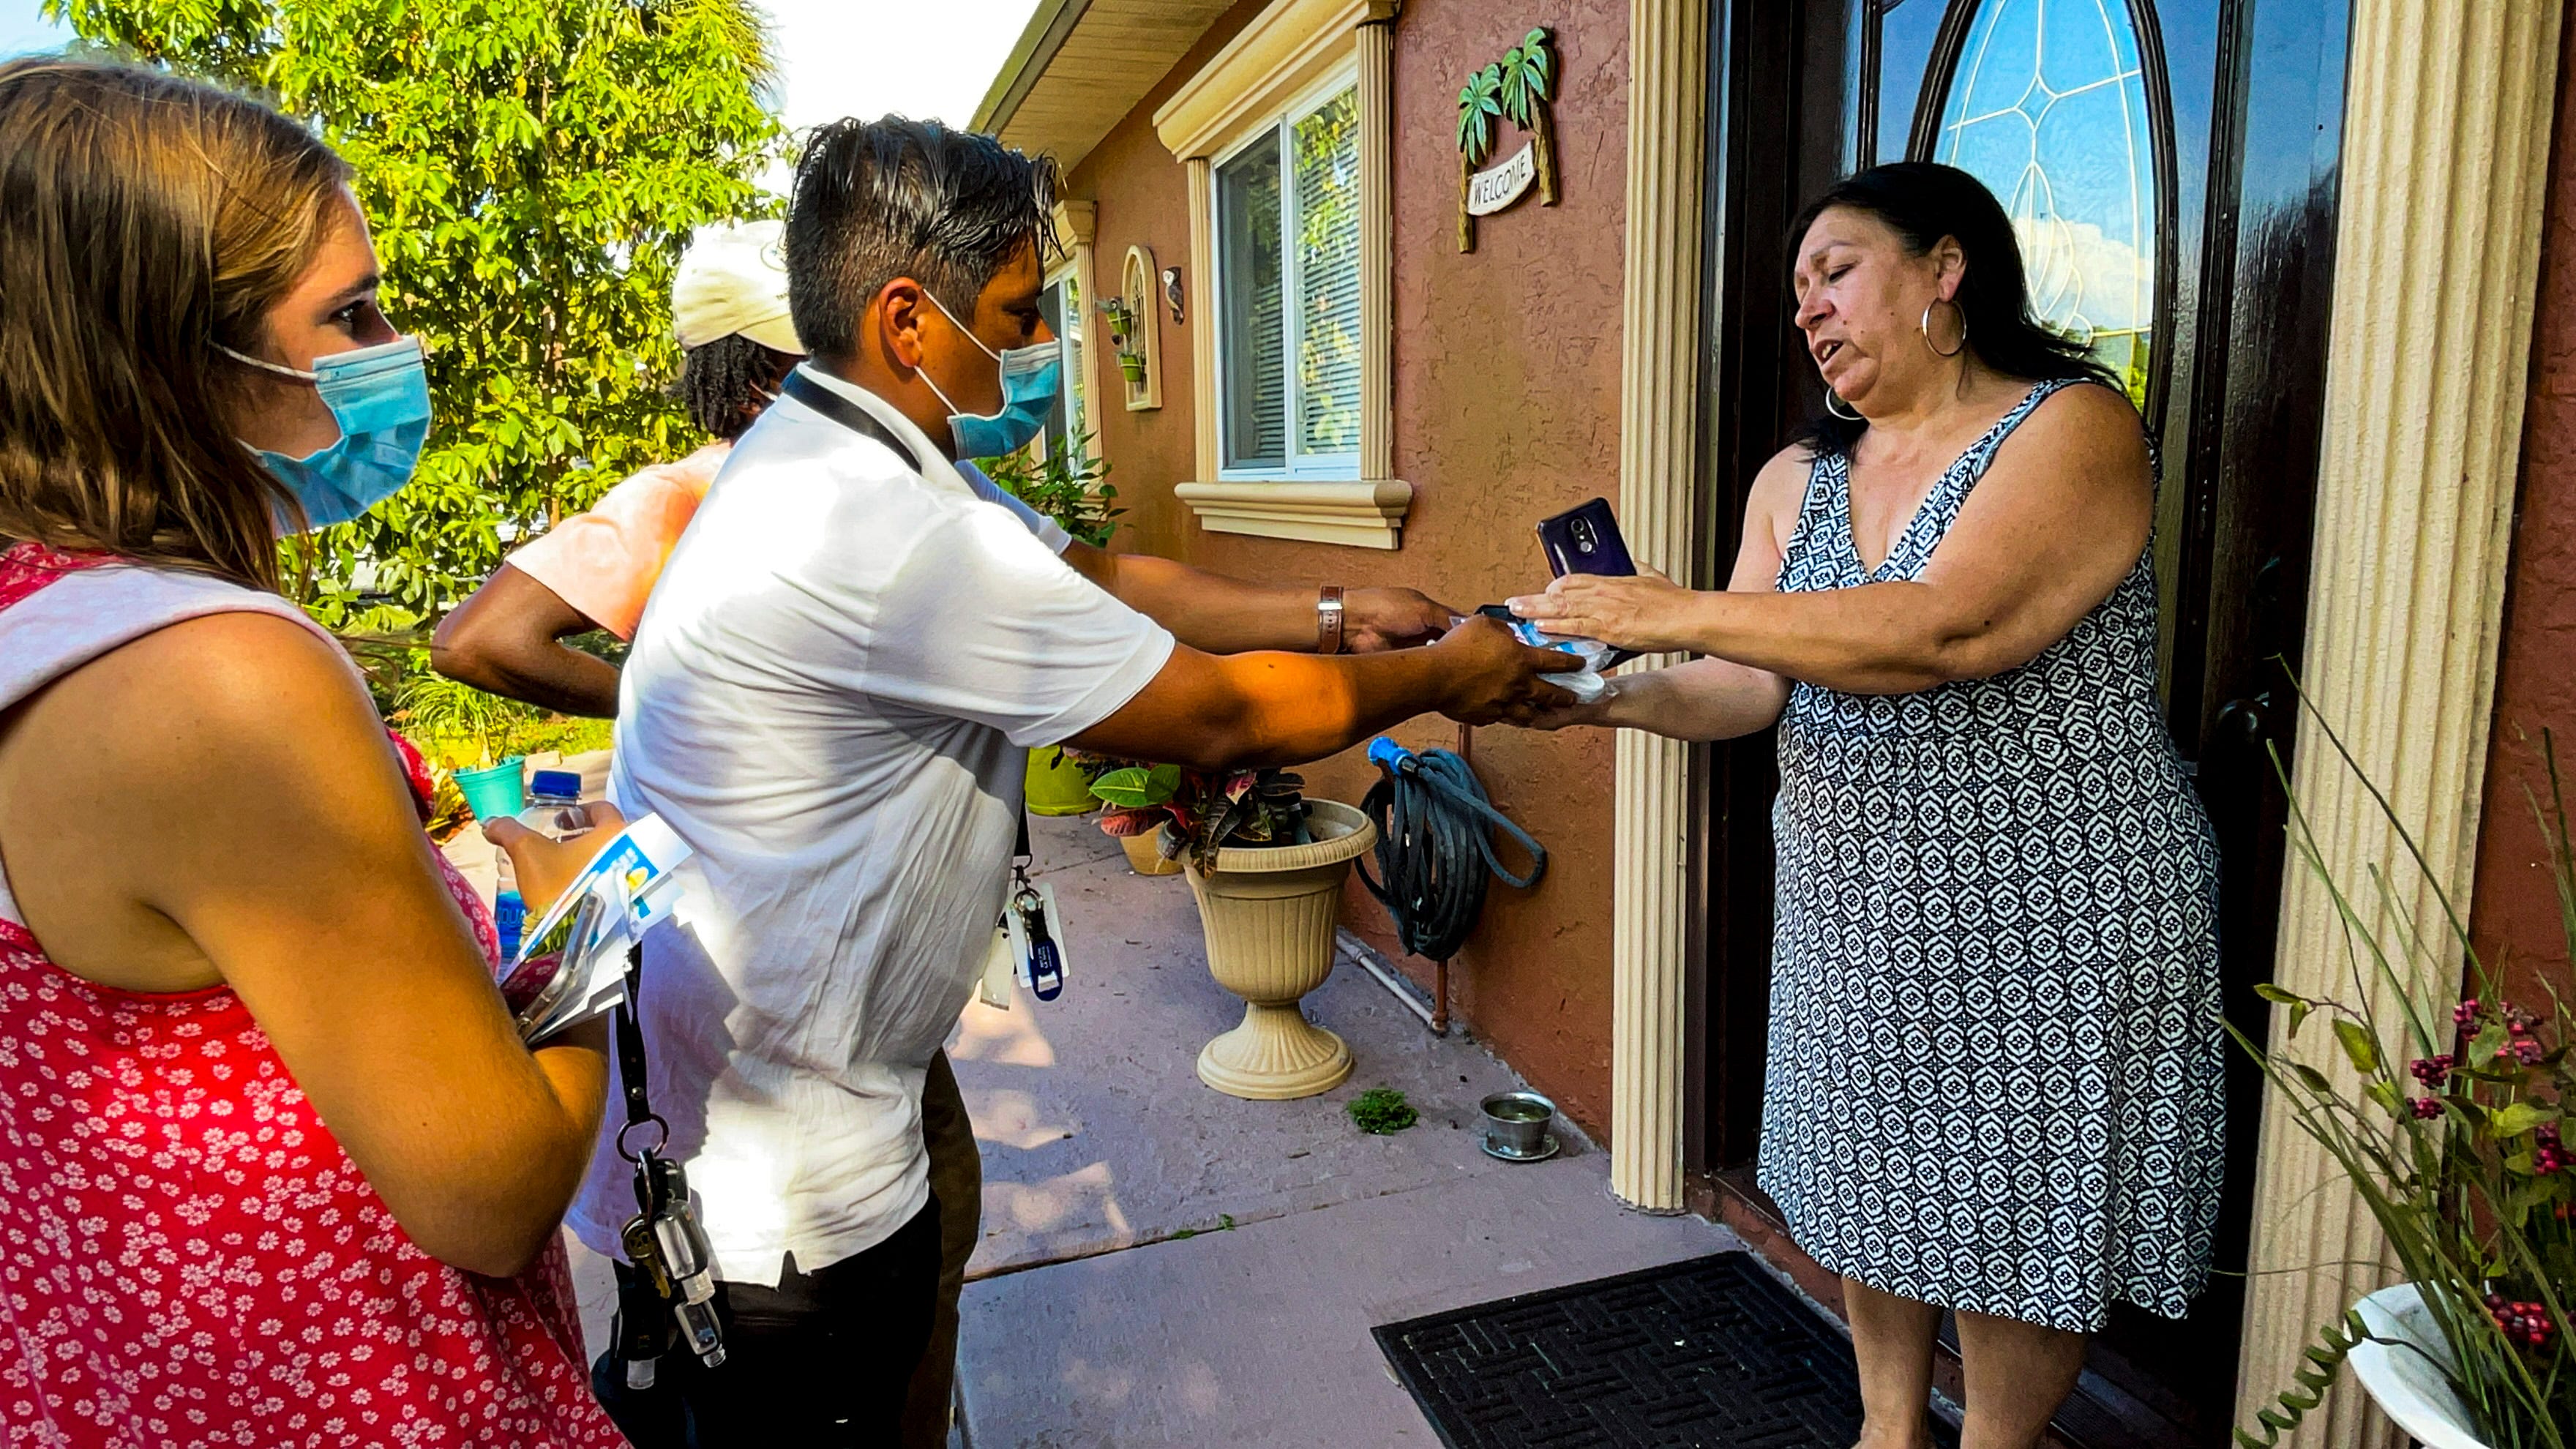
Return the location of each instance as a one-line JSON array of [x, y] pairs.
[[877, 200], [724, 384]]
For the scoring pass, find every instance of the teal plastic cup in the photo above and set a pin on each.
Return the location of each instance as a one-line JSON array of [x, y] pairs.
[[498, 791]]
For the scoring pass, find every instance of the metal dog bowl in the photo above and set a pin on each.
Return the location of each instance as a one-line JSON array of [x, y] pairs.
[[1516, 1126]]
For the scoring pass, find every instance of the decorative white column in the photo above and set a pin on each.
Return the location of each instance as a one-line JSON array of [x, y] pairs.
[[1377, 243], [1077, 227], [1658, 465], [1202, 321], [2447, 120]]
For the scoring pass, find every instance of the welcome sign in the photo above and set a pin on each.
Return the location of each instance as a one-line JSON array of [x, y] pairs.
[[1517, 89], [1496, 187]]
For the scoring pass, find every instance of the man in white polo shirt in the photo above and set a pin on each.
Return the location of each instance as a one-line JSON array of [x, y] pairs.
[[830, 697]]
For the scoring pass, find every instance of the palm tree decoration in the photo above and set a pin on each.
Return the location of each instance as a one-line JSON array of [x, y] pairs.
[[1479, 107], [1529, 75]]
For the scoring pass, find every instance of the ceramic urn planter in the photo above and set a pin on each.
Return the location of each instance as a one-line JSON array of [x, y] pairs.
[[1269, 914], [2405, 1365]]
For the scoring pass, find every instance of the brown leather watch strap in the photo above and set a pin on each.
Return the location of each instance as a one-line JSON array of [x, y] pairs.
[[1328, 620]]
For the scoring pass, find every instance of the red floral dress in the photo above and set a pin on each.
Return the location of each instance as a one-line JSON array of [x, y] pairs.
[[188, 1257]]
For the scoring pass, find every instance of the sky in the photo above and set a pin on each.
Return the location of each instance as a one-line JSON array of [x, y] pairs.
[[930, 59]]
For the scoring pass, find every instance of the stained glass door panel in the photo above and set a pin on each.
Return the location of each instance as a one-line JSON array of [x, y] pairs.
[[2048, 106]]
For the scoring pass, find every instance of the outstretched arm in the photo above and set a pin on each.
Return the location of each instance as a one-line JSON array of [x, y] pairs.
[[2058, 520], [1222, 615], [1214, 712], [507, 640], [1711, 699]]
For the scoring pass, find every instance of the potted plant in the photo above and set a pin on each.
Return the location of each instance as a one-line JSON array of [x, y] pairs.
[[1123, 333], [1065, 485], [447, 715], [2448, 1123], [1122, 319], [1267, 866], [1134, 794]]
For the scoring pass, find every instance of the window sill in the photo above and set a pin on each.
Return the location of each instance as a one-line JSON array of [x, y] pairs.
[[1358, 514]]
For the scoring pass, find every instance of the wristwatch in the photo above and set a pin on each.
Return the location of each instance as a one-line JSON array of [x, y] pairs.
[[1328, 620]]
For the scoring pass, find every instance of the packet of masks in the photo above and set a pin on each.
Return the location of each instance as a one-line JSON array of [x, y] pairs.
[[571, 965], [1586, 682]]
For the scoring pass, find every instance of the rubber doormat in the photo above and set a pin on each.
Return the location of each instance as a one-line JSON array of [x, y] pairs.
[[1708, 1352]]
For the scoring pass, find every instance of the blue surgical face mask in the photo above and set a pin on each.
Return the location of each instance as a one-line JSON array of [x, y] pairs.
[[1030, 378], [380, 397]]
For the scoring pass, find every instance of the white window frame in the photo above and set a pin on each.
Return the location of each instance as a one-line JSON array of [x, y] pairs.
[[1075, 374], [1279, 130], [1291, 49]]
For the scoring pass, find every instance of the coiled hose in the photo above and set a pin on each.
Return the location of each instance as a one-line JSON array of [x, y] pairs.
[[1435, 847]]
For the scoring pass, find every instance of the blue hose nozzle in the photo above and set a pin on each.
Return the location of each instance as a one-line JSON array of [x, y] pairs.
[[1389, 756]]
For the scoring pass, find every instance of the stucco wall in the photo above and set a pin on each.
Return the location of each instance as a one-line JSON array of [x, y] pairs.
[[1506, 410], [2516, 916]]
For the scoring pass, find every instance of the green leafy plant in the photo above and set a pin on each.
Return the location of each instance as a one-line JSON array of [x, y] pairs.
[[2447, 1124], [1224, 1224], [532, 171], [1207, 812], [1380, 1111], [1480, 104], [1065, 486], [1125, 337], [436, 712], [1528, 83]]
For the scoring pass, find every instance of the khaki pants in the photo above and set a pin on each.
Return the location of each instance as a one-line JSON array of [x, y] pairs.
[[957, 1181]]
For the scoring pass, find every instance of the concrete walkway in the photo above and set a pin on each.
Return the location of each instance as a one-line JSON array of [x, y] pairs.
[[1111, 1304], [1165, 1265]]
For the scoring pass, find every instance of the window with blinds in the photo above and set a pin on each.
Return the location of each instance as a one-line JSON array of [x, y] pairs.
[[1288, 296]]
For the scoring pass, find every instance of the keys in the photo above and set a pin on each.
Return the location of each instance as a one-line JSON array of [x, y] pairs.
[[682, 1247], [644, 1251], [672, 1262], [1046, 959]]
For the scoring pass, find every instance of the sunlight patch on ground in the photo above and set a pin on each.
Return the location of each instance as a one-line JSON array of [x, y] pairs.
[[1007, 1118], [1086, 1194], [1012, 1038]]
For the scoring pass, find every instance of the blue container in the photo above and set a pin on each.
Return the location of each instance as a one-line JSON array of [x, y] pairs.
[[509, 920], [495, 793]]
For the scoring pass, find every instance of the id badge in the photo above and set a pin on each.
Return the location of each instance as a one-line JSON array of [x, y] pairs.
[[1001, 967], [1035, 932]]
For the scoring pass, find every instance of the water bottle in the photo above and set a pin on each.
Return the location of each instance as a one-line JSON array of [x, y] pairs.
[[550, 794]]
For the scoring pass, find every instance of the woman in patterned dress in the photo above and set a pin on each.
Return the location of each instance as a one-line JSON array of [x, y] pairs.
[[1994, 1071], [274, 1167]]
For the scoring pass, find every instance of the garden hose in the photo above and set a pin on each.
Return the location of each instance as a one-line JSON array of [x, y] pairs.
[[1435, 847]]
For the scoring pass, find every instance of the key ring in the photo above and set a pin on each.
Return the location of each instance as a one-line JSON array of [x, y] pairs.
[[638, 1158]]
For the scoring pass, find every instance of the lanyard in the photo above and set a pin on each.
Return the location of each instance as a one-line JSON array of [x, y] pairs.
[[630, 1046], [848, 414]]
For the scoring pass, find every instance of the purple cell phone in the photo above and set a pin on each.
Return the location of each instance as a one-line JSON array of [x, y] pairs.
[[1585, 540]]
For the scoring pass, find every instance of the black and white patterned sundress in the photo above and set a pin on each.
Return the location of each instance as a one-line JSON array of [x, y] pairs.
[[1995, 1077]]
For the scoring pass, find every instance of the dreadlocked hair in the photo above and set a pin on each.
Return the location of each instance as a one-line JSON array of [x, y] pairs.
[[724, 384]]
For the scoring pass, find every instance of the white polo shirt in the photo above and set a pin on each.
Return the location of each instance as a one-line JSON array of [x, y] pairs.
[[830, 697]]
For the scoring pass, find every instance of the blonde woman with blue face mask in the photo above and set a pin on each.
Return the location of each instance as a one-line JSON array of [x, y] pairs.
[[280, 1169]]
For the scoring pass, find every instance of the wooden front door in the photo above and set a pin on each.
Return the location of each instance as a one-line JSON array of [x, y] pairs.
[[2171, 167]]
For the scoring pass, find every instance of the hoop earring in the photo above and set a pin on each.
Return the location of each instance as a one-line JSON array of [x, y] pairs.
[[1832, 397], [1926, 327]]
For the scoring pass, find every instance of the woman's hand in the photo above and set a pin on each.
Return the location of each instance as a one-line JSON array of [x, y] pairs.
[[547, 867], [1596, 714], [1645, 611]]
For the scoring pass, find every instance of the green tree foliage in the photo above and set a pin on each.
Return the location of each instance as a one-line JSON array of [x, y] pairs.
[[532, 169]]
